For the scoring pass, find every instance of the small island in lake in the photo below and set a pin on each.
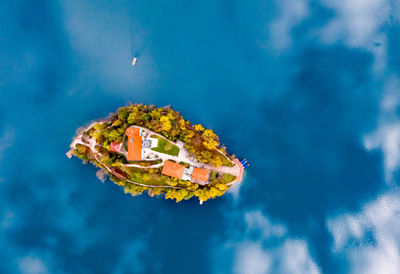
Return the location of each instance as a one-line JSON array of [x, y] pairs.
[[145, 148]]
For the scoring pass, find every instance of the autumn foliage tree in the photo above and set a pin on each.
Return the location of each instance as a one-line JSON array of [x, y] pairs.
[[210, 139]]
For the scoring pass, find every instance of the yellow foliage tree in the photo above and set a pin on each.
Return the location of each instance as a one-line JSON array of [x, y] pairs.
[[221, 186], [177, 194], [192, 186], [154, 191], [171, 181], [180, 194], [99, 126], [166, 123], [199, 128], [134, 189], [215, 161], [170, 194], [182, 124], [214, 192], [189, 136], [210, 139], [202, 194]]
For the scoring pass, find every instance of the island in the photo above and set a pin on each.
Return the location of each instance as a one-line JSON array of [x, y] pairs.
[[155, 150]]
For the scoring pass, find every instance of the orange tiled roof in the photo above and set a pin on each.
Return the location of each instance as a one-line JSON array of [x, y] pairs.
[[173, 169], [200, 174], [134, 144], [132, 131]]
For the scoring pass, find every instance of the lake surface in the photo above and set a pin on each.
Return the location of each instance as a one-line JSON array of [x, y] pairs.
[[306, 91]]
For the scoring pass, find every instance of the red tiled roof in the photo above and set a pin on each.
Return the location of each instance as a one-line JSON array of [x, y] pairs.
[[200, 174], [173, 169], [134, 144], [115, 146]]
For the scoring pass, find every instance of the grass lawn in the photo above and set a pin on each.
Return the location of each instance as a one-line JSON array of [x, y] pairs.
[[166, 147], [224, 159], [149, 181], [124, 143], [227, 178], [226, 162], [144, 177], [146, 163]]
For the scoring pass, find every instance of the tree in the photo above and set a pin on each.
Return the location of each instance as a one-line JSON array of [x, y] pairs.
[[114, 136], [189, 136], [199, 128], [215, 161], [192, 186], [98, 135], [181, 123], [177, 194], [210, 139], [117, 123], [155, 114], [181, 194], [189, 195], [166, 123], [146, 117], [221, 186], [206, 155], [171, 181], [132, 118], [202, 194], [154, 191], [134, 189], [170, 194], [122, 114], [214, 192], [99, 126]]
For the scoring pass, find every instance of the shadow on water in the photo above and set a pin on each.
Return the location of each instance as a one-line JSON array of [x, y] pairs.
[[182, 234], [312, 160]]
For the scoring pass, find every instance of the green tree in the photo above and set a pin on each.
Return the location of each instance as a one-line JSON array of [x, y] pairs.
[[123, 114], [115, 136], [99, 126], [132, 118], [146, 117]]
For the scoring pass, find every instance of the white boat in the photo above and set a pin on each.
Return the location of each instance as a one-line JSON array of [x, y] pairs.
[[134, 61]]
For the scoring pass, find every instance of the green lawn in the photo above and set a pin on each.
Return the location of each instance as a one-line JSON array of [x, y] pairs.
[[166, 147], [226, 161], [147, 179], [124, 143], [227, 178], [142, 176]]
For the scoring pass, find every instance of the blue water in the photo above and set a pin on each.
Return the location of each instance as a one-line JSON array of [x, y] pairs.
[[295, 104]]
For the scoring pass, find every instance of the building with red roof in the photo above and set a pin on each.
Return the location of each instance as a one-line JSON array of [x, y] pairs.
[[115, 146], [119, 173], [173, 169], [200, 174], [134, 144]]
